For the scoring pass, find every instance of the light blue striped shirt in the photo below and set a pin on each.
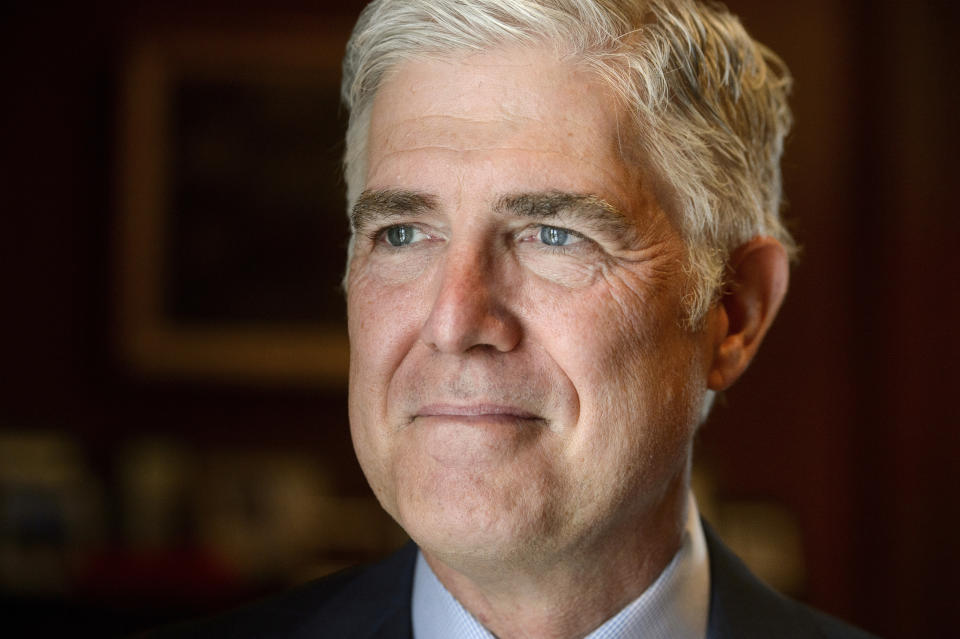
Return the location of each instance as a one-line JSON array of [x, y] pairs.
[[675, 606]]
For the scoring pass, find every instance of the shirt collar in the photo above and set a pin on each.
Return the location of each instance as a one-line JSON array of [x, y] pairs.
[[675, 606]]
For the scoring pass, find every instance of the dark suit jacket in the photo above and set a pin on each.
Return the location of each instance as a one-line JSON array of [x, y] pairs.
[[374, 603]]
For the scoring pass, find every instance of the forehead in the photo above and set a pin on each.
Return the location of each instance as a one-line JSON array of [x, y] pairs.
[[525, 101]]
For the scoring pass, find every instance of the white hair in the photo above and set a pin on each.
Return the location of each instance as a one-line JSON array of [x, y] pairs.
[[707, 104]]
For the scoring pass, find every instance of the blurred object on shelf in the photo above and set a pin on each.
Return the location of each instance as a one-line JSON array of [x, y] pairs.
[[51, 512], [766, 536], [157, 478]]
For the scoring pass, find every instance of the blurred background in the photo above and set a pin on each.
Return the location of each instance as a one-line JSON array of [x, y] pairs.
[[173, 431]]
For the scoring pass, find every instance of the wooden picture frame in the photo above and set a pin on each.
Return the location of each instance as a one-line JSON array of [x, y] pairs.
[[231, 207]]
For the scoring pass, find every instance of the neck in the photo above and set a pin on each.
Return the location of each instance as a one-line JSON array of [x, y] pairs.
[[570, 597]]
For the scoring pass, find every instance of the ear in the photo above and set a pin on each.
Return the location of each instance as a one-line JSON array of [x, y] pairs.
[[759, 272]]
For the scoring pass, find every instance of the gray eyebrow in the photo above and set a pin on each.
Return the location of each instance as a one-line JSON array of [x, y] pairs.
[[386, 203], [552, 204]]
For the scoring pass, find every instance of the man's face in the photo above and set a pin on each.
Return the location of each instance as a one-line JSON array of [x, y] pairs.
[[521, 382]]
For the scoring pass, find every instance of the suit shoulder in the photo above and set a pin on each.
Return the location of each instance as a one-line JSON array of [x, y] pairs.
[[833, 628], [356, 602]]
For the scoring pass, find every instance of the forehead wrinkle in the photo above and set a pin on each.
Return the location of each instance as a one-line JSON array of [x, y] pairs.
[[505, 117], [452, 132], [615, 177]]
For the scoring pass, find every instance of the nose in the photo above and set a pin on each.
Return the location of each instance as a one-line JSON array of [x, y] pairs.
[[470, 306]]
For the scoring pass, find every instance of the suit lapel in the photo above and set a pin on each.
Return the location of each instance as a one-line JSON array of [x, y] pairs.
[[396, 625], [387, 592]]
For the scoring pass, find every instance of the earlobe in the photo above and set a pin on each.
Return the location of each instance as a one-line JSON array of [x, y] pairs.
[[759, 272]]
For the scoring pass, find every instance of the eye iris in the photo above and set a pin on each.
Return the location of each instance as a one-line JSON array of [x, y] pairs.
[[552, 236], [399, 235]]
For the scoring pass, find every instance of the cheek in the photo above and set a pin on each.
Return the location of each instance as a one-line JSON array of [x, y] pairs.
[[382, 329], [383, 320], [379, 335], [633, 365], [598, 333], [390, 269]]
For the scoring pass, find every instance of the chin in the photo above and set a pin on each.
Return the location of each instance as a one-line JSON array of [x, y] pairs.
[[470, 550], [472, 528]]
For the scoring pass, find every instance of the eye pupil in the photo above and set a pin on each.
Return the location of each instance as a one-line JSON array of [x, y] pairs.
[[399, 235], [552, 236]]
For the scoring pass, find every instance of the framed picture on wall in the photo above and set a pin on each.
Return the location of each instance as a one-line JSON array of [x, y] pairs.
[[232, 230]]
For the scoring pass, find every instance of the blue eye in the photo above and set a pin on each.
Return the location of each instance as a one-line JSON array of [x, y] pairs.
[[399, 235], [552, 236]]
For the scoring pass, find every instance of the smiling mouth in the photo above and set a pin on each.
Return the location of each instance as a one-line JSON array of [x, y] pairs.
[[477, 413]]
